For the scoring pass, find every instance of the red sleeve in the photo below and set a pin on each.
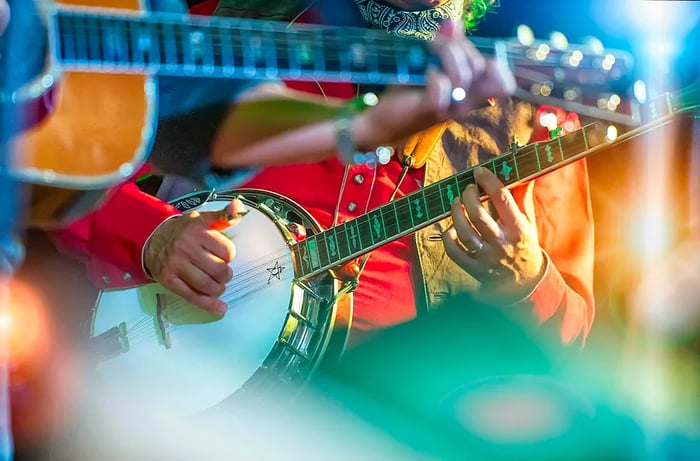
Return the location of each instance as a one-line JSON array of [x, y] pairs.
[[110, 239], [560, 204]]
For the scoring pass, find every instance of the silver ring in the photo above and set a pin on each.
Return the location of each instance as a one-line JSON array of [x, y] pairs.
[[477, 249]]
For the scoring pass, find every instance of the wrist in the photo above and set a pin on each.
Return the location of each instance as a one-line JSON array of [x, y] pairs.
[[146, 249], [352, 129]]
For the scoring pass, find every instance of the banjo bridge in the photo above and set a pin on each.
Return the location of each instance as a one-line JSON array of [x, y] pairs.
[[111, 343]]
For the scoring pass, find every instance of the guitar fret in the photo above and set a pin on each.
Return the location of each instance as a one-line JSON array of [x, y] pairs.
[[268, 39], [68, 39], [467, 177], [126, 45], [82, 48], [134, 36], [434, 205], [341, 239], [94, 48], [355, 241], [527, 166], [391, 223], [172, 45], [396, 216]]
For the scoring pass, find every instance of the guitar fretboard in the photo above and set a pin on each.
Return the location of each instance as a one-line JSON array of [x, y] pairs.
[[432, 203], [228, 47]]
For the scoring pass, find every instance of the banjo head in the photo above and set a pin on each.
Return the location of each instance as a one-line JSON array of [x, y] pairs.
[[159, 352]]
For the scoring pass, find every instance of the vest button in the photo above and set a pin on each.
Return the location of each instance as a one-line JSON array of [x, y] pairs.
[[359, 179], [352, 206]]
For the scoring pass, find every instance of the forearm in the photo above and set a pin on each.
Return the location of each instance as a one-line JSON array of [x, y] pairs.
[[294, 127]]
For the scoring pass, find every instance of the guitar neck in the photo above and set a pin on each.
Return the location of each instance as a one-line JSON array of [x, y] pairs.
[[238, 48], [408, 214], [432, 203]]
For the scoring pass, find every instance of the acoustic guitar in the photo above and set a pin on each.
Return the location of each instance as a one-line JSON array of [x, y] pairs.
[[100, 96]]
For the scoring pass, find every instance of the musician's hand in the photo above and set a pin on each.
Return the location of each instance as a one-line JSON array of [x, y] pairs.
[[504, 253], [402, 112], [189, 256], [4, 15]]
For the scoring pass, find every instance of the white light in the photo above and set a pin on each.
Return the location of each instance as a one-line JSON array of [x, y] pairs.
[[570, 94], [549, 120], [370, 99], [542, 52], [640, 91], [525, 35], [5, 323], [595, 45], [459, 94], [608, 62], [611, 133], [559, 41]]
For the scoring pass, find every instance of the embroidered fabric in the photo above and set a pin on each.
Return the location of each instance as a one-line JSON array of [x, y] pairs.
[[418, 25]]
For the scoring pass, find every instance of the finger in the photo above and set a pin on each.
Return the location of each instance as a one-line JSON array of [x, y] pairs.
[[454, 62], [502, 200], [226, 217], [465, 231], [497, 80], [480, 218], [451, 29], [209, 303], [218, 244], [200, 281], [438, 95], [213, 266], [456, 252]]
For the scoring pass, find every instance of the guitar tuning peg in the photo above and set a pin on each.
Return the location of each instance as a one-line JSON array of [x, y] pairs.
[[558, 41]]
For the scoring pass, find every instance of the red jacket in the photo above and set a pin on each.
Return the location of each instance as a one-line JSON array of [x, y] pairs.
[[111, 239]]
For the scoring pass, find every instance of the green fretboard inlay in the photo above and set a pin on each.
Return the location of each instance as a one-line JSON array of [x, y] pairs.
[[506, 170], [414, 211]]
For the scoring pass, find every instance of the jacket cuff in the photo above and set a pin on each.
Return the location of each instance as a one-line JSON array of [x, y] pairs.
[[549, 292]]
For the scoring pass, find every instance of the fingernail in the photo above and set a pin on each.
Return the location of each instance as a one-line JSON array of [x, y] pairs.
[[478, 171], [237, 214], [221, 308]]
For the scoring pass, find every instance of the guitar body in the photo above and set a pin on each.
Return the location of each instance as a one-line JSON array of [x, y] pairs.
[[97, 127], [175, 358]]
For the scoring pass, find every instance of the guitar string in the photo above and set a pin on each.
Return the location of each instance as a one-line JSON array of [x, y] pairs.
[[382, 42], [145, 329], [404, 213], [240, 282], [219, 26]]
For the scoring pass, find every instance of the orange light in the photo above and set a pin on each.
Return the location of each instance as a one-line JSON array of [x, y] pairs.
[[23, 327]]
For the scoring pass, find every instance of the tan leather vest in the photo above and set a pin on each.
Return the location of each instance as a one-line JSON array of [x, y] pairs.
[[486, 133]]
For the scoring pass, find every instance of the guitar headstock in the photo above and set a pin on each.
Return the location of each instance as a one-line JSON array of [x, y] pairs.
[[584, 78]]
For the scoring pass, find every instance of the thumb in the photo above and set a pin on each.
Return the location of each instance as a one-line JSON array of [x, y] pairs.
[[226, 217]]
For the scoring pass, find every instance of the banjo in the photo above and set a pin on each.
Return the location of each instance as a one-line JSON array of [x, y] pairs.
[[290, 300]]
